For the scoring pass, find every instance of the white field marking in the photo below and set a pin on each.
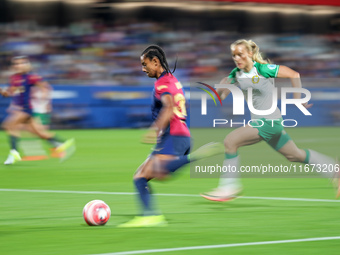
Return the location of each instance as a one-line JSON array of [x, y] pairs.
[[222, 246], [313, 140], [164, 195]]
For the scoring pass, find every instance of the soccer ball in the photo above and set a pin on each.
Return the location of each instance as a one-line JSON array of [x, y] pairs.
[[96, 212]]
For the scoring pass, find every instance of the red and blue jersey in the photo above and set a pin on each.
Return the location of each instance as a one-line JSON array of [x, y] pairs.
[[168, 84], [22, 84]]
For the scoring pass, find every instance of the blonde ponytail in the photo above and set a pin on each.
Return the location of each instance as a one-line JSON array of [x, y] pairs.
[[251, 47]]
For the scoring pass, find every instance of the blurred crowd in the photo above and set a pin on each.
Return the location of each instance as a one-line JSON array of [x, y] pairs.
[[92, 53]]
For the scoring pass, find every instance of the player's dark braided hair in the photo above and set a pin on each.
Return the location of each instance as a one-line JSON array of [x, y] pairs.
[[20, 57], [156, 51]]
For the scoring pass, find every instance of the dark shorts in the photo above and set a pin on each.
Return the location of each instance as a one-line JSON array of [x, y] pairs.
[[173, 145], [28, 111]]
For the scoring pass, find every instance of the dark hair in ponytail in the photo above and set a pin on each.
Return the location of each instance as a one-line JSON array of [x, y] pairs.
[[156, 51]]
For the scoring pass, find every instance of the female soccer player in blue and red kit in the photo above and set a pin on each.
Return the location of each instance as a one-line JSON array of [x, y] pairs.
[[20, 87], [170, 133]]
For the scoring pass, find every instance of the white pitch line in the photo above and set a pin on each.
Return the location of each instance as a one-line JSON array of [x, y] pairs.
[[313, 140], [294, 199], [67, 191], [221, 246], [164, 195]]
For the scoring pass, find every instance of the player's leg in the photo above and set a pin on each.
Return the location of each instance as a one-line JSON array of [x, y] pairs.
[[146, 172], [60, 145], [12, 126], [291, 152], [150, 217], [38, 129], [180, 146], [308, 156], [229, 185], [30, 145], [170, 154], [161, 165], [286, 146]]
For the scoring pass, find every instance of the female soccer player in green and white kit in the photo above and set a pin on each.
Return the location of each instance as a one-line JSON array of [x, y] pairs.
[[252, 71]]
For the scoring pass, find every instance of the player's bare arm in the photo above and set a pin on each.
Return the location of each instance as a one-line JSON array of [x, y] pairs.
[[224, 92], [162, 121], [43, 85], [286, 72], [7, 92]]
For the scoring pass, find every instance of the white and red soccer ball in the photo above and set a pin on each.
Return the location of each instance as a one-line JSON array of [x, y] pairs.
[[96, 212]]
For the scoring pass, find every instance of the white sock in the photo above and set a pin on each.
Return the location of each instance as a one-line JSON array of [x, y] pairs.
[[230, 180], [327, 163]]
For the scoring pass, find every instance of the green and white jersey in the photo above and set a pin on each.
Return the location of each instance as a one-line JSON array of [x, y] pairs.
[[261, 79]]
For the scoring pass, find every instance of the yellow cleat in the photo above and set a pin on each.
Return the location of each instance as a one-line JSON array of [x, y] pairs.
[[66, 149], [145, 221], [13, 157], [64, 146]]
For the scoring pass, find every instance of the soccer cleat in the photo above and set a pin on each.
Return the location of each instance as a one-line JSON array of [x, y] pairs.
[[13, 157], [55, 154], [65, 145], [145, 221], [10, 160], [207, 150], [220, 195], [66, 149]]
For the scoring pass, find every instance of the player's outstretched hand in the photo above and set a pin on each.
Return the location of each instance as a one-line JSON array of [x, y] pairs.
[[307, 105], [4, 93], [150, 137]]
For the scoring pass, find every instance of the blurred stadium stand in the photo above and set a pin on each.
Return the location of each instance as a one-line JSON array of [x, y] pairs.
[[98, 43]]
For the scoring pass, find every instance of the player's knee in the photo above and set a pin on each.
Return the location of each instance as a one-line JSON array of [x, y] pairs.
[[44, 136], [294, 157], [229, 146], [137, 174], [6, 125], [291, 158], [141, 173]]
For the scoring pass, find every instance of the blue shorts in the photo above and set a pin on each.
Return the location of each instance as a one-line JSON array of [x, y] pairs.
[[173, 145], [28, 111]]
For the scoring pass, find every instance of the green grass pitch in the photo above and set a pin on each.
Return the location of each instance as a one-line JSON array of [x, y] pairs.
[[34, 223]]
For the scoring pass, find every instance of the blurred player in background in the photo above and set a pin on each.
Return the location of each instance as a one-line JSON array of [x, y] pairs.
[[21, 84], [41, 101], [253, 71], [170, 133], [31, 147]]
